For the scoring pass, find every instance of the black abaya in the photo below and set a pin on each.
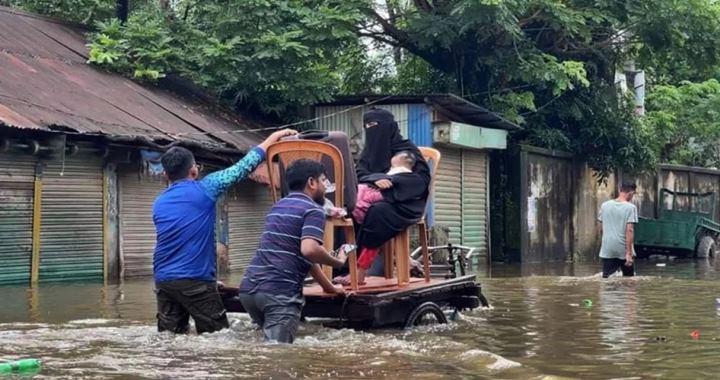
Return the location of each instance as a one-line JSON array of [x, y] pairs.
[[404, 203]]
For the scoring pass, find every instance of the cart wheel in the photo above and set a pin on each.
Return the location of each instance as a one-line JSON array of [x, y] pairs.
[[706, 247], [428, 313]]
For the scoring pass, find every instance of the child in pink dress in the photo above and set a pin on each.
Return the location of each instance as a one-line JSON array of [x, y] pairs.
[[368, 194]]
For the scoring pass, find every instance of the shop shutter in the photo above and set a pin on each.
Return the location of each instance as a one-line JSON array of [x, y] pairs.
[[71, 232], [17, 176], [474, 200], [447, 197], [137, 231], [248, 204]]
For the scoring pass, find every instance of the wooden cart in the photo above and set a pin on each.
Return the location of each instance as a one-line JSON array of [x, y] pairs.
[[396, 299], [382, 303]]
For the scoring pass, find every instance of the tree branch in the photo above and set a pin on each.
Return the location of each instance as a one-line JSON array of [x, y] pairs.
[[401, 39], [526, 21], [424, 5]]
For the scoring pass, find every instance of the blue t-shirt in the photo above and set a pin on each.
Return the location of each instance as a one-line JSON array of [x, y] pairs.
[[184, 217], [278, 266]]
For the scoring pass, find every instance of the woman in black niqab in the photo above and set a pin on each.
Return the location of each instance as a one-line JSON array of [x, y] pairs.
[[403, 204]]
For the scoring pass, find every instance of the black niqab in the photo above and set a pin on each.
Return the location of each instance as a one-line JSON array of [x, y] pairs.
[[382, 142]]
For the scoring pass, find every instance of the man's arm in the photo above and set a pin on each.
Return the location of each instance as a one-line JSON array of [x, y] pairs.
[[327, 286], [631, 219], [313, 232], [315, 252], [218, 182], [629, 242]]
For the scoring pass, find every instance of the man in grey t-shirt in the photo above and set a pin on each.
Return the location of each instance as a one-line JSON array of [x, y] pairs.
[[617, 219]]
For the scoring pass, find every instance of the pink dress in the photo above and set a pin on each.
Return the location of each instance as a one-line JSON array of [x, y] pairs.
[[365, 198]]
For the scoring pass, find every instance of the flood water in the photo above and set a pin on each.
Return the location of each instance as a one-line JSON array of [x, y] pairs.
[[539, 327]]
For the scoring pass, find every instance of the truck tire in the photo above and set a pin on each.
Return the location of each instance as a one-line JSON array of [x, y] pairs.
[[706, 247]]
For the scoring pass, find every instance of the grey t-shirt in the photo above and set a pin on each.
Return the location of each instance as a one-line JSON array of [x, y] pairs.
[[615, 216]]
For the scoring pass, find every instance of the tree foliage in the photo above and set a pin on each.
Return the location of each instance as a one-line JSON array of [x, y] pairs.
[[683, 123], [549, 65], [271, 55], [82, 11]]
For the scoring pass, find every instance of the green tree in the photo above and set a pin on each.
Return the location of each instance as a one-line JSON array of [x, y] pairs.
[[81, 11], [550, 64], [683, 122], [268, 55]]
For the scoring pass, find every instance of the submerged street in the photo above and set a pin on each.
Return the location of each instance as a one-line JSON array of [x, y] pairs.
[[556, 321]]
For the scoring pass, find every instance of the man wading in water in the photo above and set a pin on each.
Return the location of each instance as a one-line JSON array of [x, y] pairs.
[[617, 219], [184, 260]]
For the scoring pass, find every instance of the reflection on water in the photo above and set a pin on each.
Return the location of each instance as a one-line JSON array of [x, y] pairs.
[[538, 328]]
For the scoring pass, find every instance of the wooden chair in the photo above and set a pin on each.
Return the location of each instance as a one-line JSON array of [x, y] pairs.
[[398, 248], [289, 151]]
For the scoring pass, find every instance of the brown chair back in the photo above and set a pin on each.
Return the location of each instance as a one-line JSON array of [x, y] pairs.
[[290, 151]]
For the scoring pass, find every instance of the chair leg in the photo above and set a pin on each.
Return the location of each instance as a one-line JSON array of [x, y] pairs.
[[402, 257], [388, 252], [422, 233], [329, 243], [352, 259]]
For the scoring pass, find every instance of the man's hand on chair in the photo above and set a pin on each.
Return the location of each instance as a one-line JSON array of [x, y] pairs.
[[276, 136]]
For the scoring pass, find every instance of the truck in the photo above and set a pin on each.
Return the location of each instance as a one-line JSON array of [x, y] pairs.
[[685, 226]]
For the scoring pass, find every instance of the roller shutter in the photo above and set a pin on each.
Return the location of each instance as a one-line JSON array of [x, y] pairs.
[[474, 200], [447, 197], [137, 231], [248, 204], [17, 176], [71, 232]]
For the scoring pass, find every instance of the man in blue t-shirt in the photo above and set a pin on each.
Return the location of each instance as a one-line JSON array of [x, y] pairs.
[[290, 247], [184, 259]]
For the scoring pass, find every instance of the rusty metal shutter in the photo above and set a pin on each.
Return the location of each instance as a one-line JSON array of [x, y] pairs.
[[137, 231], [17, 176], [447, 197], [474, 199], [248, 204], [71, 230]]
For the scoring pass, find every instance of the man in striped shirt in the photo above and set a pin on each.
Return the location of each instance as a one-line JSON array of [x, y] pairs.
[[290, 247]]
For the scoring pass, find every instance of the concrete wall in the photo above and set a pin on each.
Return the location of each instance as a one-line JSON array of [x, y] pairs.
[[590, 192], [546, 205], [590, 195], [691, 179], [646, 194]]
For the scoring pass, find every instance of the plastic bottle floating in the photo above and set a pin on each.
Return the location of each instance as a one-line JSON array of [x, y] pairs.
[[21, 367], [587, 302]]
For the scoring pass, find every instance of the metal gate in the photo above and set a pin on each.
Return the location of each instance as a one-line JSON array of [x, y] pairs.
[[71, 232], [248, 204], [474, 200], [137, 231], [447, 197], [17, 176]]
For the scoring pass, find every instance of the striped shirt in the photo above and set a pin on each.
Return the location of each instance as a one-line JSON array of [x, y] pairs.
[[278, 266]]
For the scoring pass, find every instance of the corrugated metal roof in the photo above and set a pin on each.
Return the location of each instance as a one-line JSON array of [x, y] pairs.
[[451, 105], [45, 84]]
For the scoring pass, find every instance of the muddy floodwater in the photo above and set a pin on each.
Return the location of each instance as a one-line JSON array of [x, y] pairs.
[[557, 321]]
